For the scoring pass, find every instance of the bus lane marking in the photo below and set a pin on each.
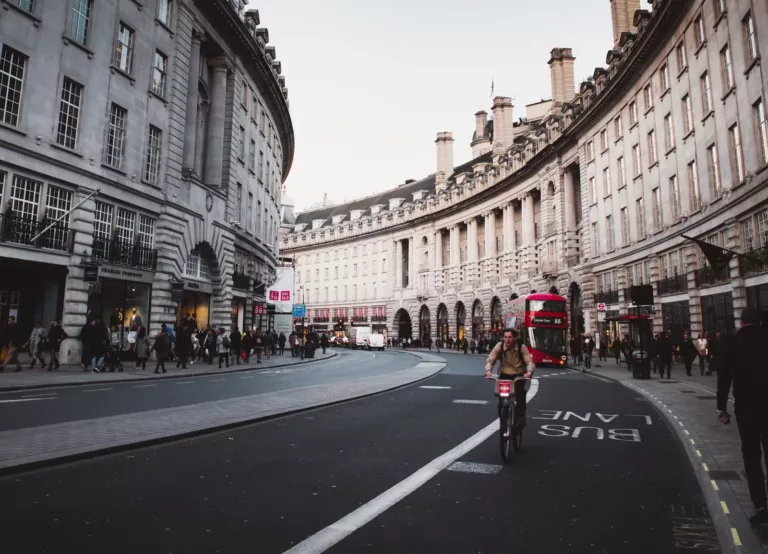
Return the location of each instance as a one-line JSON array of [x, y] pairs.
[[625, 434]]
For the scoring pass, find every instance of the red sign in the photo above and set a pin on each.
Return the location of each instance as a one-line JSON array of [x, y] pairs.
[[285, 296], [601, 307], [258, 309], [274, 295]]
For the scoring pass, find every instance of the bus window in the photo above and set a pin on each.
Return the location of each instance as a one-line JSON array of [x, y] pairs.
[[551, 341], [546, 306]]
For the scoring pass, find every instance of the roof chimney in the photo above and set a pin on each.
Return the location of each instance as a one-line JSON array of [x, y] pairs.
[[503, 130], [623, 17], [444, 160], [561, 69], [481, 142]]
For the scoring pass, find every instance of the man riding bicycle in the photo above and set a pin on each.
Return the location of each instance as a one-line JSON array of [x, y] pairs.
[[516, 361]]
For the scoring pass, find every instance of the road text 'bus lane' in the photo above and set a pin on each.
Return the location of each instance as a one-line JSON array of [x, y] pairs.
[[593, 425]]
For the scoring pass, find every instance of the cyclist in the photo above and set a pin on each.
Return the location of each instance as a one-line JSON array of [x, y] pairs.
[[516, 361]]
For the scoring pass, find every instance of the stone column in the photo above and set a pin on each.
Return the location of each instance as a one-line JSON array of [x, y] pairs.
[[570, 202], [398, 282], [490, 235], [215, 152], [455, 257], [190, 123], [412, 273], [529, 232], [438, 278]]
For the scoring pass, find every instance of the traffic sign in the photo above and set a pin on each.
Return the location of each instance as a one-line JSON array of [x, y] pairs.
[[600, 307], [299, 310]]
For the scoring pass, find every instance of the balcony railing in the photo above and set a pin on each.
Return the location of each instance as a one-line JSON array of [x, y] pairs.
[[708, 276], [607, 297], [756, 263], [672, 285], [240, 280], [122, 252], [21, 229], [378, 318]]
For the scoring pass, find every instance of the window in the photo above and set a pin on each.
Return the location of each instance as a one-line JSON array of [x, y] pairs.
[[750, 40], [624, 227], [164, 11], [25, 5], [354, 292], [682, 57], [657, 216], [693, 186], [687, 114], [698, 31], [713, 169], [648, 97], [762, 131], [652, 154], [384, 265], [241, 144], [354, 270], [125, 225], [719, 6], [727, 67], [636, 160], [69, 113], [606, 182], [737, 155], [252, 155], [238, 202], [610, 238], [308, 277], [618, 128], [748, 234], [124, 48], [640, 214], [317, 274], [706, 94], [12, 67], [603, 140], [632, 113], [102, 223], [595, 240], [374, 266], [365, 268], [674, 196], [327, 273], [669, 133], [664, 76], [25, 197], [159, 73], [249, 217], [146, 234], [79, 21], [152, 168], [113, 154], [592, 191], [336, 272], [590, 151], [346, 272], [58, 203], [622, 172]]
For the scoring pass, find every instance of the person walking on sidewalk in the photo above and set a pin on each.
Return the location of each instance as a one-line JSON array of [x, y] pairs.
[[35, 343], [247, 345], [688, 352], [142, 348], [602, 349], [281, 342], [236, 343], [665, 355], [589, 347], [715, 352], [324, 342], [702, 346], [616, 348], [56, 336], [223, 345], [258, 344], [11, 339], [293, 340], [183, 346], [628, 348], [162, 347], [746, 370]]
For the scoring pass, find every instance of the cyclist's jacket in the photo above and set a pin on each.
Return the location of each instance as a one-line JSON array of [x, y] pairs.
[[515, 360]]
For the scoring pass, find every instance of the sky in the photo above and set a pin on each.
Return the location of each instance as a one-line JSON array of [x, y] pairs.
[[372, 82]]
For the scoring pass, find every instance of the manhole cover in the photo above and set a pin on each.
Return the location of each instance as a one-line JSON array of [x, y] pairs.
[[724, 475], [667, 381], [706, 397], [687, 391]]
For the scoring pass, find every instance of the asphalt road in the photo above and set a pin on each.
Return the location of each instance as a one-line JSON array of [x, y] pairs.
[[600, 472], [22, 409]]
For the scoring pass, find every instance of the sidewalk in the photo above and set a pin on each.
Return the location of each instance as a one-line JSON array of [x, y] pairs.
[[690, 405], [70, 375]]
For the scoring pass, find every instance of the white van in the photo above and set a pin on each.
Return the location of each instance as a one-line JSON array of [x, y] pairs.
[[376, 340], [358, 337]]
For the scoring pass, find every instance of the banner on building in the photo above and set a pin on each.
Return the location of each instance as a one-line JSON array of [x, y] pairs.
[[281, 292]]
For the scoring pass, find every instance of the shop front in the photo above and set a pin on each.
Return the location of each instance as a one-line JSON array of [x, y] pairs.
[[676, 319], [238, 313], [757, 299], [195, 303], [717, 314], [608, 324]]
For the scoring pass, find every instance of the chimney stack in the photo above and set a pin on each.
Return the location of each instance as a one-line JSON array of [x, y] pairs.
[[623, 17], [561, 69], [481, 142], [503, 130], [444, 144]]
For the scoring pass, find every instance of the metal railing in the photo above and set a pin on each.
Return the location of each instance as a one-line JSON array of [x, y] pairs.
[[122, 252], [20, 229], [707, 276], [672, 285], [378, 318], [607, 297], [240, 280], [756, 263]]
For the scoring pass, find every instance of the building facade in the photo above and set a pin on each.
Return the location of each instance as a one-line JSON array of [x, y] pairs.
[[143, 145], [589, 194]]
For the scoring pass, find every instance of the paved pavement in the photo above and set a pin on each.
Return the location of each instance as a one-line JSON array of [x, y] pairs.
[[690, 405], [74, 375], [28, 446], [411, 470]]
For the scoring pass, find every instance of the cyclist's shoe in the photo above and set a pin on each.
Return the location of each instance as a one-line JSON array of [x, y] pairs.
[[759, 518]]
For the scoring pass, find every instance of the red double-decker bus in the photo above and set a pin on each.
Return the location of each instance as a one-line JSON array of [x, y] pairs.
[[542, 321]]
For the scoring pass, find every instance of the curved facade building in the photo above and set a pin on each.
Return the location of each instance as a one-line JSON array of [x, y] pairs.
[[143, 146], [589, 193]]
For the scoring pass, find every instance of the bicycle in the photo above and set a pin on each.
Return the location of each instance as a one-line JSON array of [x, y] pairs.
[[510, 434]]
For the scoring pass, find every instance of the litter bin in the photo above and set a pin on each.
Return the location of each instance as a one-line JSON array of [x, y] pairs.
[[309, 350], [641, 365]]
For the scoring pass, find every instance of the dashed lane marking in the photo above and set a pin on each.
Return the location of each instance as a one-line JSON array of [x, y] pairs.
[[144, 386], [472, 467], [463, 401], [705, 466], [185, 383], [41, 395], [736, 537], [433, 387], [217, 380], [714, 485], [97, 390], [698, 453], [725, 507], [247, 377], [24, 400]]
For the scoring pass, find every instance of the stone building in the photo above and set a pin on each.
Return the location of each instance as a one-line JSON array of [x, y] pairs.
[[590, 194], [165, 125]]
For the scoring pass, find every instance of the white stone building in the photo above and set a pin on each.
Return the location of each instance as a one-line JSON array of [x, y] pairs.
[[176, 112], [590, 194]]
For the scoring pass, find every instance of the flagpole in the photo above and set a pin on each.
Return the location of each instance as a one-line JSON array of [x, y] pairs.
[[737, 254], [83, 201]]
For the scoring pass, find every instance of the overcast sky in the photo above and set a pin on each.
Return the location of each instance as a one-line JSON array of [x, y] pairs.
[[371, 82]]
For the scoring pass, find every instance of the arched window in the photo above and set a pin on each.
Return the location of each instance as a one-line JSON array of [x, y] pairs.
[[197, 266]]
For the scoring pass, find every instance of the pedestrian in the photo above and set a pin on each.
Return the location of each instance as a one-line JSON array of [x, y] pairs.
[[172, 336], [247, 345], [266, 341], [35, 343], [602, 352], [293, 340], [210, 346], [572, 348], [183, 346], [715, 352], [688, 352], [223, 345], [628, 348], [114, 350], [99, 345], [617, 349], [589, 347], [236, 343], [324, 342], [142, 348], [746, 370], [258, 344], [281, 342], [665, 351], [702, 346], [11, 342], [162, 347], [194, 337]]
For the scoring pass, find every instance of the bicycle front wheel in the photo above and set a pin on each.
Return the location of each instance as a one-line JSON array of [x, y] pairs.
[[506, 434]]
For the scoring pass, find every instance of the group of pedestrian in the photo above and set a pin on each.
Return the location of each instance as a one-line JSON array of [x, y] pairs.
[[41, 341], [480, 345]]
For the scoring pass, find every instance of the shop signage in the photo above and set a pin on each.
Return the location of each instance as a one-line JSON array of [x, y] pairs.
[[206, 288], [125, 274], [258, 309], [177, 291], [600, 317], [601, 307], [546, 320], [91, 274], [299, 310]]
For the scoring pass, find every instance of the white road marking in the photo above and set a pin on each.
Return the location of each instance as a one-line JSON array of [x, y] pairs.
[[97, 390], [41, 395], [703, 390], [433, 387], [216, 380], [463, 401], [185, 382], [472, 467], [143, 386], [24, 400], [331, 535], [247, 377]]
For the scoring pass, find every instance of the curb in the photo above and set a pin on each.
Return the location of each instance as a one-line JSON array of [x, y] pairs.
[[97, 452], [12, 388]]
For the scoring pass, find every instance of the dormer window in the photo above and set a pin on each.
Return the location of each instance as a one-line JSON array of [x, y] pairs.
[[395, 203], [317, 223], [338, 219], [376, 208], [418, 195], [298, 228], [354, 215]]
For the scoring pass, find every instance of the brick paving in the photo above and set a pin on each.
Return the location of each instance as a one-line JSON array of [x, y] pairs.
[[690, 403], [36, 445], [74, 374]]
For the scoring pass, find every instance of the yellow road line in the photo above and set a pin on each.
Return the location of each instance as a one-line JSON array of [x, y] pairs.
[[735, 535], [725, 507], [698, 453], [714, 485], [686, 432], [705, 466], [692, 441]]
